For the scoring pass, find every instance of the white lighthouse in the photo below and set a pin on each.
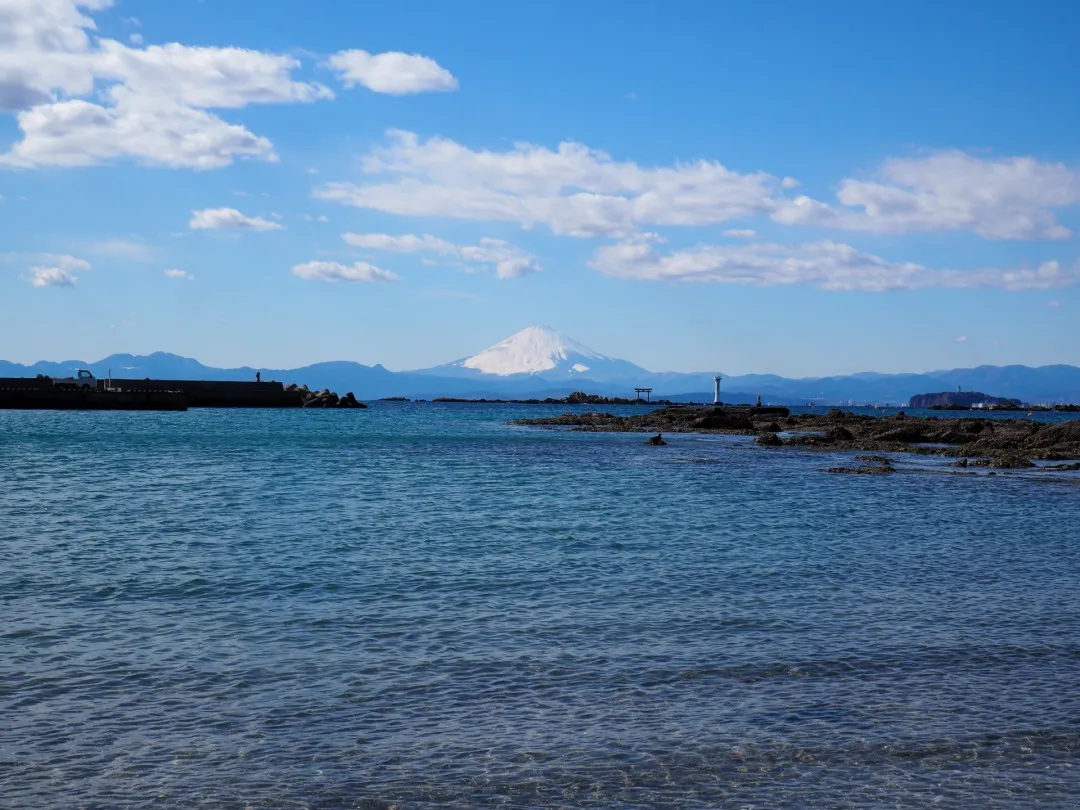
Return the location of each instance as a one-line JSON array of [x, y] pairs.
[[716, 389]]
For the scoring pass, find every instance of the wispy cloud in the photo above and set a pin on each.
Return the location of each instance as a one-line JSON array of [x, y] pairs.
[[827, 265], [574, 190], [451, 295], [508, 260], [51, 269], [178, 274], [998, 198], [333, 272], [128, 249], [579, 191], [230, 219]]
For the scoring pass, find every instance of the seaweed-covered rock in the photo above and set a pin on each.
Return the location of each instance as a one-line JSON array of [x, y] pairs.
[[656, 441], [864, 470], [880, 460], [769, 440], [1008, 461]]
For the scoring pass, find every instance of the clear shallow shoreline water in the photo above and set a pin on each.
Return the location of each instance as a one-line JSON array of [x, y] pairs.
[[421, 606]]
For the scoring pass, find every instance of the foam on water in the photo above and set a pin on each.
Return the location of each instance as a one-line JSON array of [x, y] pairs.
[[420, 606]]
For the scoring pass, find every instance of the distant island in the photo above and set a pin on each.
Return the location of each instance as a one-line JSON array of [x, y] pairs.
[[962, 400]]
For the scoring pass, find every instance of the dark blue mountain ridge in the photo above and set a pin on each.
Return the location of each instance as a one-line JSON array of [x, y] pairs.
[[1043, 384]]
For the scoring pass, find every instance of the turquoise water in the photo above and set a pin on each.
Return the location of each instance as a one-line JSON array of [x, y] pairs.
[[420, 606]]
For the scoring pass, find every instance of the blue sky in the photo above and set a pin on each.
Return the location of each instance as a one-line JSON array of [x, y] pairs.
[[781, 187]]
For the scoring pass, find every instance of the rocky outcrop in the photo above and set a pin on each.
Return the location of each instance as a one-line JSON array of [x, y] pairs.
[[656, 441], [1011, 442], [325, 398]]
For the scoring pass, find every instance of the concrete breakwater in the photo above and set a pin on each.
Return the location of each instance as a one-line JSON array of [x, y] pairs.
[[172, 395], [58, 399], [218, 394]]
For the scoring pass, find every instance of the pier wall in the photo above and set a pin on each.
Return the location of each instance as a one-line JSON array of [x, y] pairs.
[[219, 394], [35, 393], [39, 397]]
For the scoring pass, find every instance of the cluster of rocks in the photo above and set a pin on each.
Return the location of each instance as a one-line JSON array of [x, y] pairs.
[[999, 443], [324, 398]]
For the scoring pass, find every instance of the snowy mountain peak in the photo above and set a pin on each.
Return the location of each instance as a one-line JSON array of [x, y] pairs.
[[532, 351]]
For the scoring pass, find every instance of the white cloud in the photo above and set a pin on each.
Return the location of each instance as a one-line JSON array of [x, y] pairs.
[[205, 77], [961, 339], [178, 274], [508, 260], [1003, 198], [332, 271], [1053, 304], [136, 39], [393, 72], [51, 277], [826, 265], [130, 249], [43, 48], [574, 190], [215, 219], [51, 269], [83, 100], [578, 191], [154, 132], [741, 233]]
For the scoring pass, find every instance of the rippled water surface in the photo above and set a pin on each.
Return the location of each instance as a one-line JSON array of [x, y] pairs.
[[419, 606]]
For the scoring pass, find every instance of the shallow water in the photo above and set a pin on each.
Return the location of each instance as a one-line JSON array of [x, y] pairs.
[[421, 606]]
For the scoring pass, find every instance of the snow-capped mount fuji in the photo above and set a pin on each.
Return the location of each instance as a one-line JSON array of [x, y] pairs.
[[539, 351]]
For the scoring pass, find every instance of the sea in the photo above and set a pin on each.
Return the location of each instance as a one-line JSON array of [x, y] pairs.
[[422, 606]]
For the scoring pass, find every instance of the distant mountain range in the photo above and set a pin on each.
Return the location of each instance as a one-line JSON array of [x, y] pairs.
[[540, 362]]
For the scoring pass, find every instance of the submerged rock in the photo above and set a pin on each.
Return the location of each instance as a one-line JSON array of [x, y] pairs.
[[656, 441], [882, 460], [1006, 461], [881, 469], [769, 440]]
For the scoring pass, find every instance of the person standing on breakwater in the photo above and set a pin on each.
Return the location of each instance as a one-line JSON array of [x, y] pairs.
[[258, 376]]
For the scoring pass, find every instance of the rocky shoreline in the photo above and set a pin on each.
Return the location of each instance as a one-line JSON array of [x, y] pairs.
[[979, 442]]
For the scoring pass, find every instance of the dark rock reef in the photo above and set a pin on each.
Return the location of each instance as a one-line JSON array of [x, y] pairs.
[[1008, 443]]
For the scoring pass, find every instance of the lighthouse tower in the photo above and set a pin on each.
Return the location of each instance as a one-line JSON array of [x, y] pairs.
[[716, 389]]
